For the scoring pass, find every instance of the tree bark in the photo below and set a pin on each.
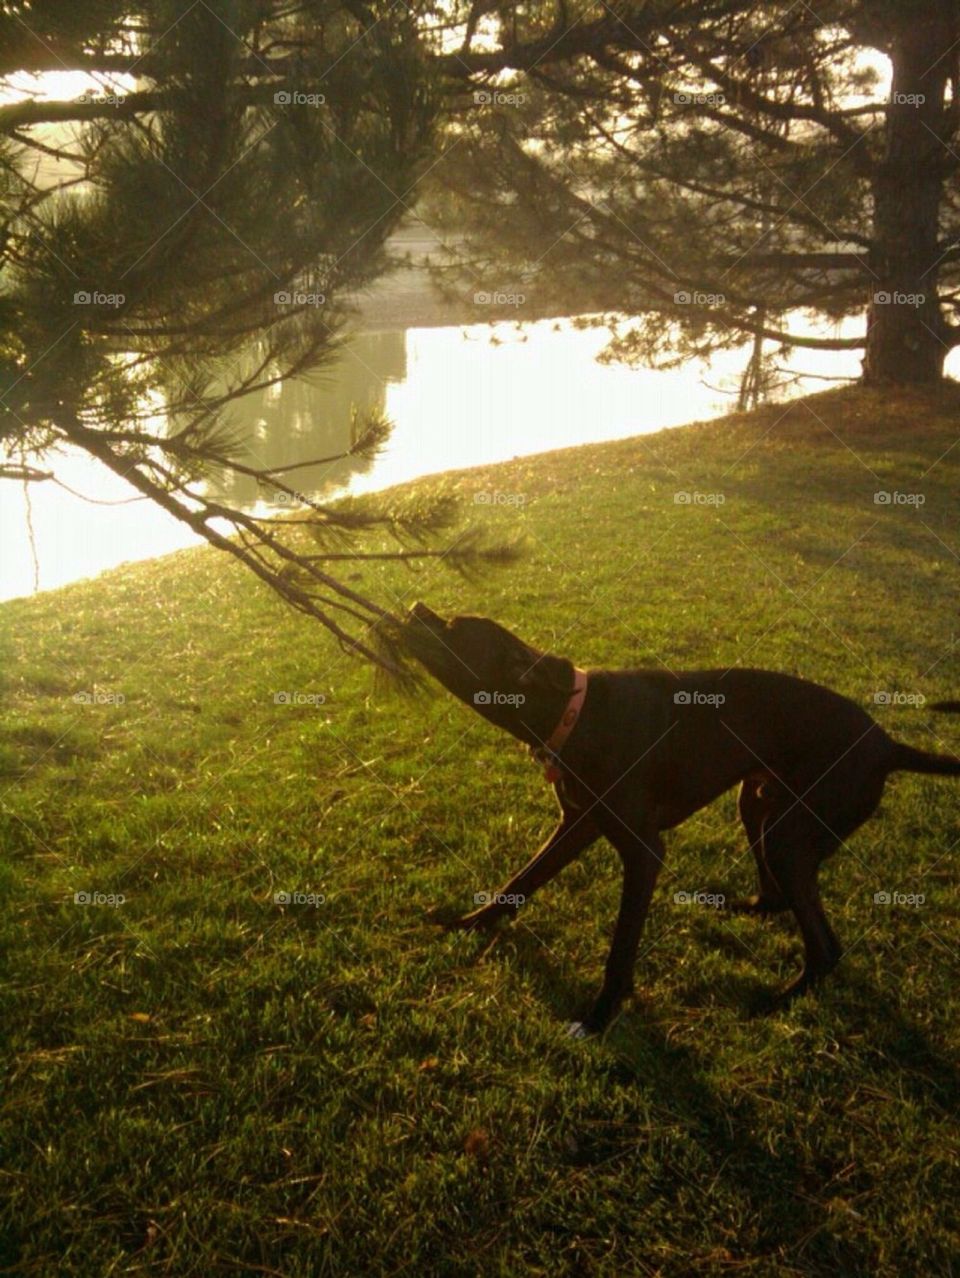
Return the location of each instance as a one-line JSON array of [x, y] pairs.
[[907, 337]]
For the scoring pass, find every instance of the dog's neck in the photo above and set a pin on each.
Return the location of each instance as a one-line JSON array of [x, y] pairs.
[[547, 753]]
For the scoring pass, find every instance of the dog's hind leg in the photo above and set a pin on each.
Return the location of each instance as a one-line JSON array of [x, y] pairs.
[[796, 840], [755, 804], [795, 865]]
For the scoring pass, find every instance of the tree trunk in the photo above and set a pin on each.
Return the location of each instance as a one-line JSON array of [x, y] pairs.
[[907, 339]]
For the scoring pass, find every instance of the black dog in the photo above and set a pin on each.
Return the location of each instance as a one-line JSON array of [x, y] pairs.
[[635, 752]]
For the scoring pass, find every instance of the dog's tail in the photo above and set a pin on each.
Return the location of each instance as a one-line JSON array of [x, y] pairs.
[[907, 758]]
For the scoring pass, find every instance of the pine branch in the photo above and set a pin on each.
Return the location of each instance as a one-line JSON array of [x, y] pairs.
[[251, 557]]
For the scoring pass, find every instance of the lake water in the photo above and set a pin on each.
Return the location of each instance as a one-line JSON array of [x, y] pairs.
[[458, 396]]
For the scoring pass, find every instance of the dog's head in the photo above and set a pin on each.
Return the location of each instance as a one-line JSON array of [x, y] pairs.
[[498, 675]]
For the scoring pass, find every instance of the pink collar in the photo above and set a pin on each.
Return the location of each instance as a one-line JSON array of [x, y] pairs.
[[547, 753]]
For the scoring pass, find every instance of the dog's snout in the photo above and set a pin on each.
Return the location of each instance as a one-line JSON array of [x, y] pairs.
[[425, 614]]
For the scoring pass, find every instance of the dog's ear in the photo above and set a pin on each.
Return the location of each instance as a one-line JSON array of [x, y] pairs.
[[522, 669], [557, 674], [541, 670]]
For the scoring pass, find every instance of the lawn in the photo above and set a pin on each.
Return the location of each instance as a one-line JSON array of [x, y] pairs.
[[198, 1079]]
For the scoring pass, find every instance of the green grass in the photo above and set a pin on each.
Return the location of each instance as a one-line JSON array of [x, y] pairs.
[[199, 1081]]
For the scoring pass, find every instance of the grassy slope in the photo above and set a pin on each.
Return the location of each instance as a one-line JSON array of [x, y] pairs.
[[200, 1081]]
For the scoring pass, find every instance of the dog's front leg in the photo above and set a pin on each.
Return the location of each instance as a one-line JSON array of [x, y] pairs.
[[575, 832], [642, 857]]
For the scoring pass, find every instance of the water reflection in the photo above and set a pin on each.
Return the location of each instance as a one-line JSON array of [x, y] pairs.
[[297, 421], [458, 396]]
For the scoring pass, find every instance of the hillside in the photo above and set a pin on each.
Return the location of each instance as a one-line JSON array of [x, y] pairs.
[[198, 1079]]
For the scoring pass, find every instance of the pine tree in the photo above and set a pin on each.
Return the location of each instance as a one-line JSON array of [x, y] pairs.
[[190, 233], [709, 167]]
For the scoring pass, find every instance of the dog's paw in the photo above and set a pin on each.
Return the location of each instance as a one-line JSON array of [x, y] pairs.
[[487, 919], [597, 1021], [482, 920], [577, 1029], [441, 917]]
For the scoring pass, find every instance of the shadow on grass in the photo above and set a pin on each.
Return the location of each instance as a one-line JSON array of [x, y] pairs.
[[902, 1057]]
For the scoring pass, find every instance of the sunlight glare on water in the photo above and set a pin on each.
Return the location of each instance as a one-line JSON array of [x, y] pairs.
[[491, 392], [458, 397]]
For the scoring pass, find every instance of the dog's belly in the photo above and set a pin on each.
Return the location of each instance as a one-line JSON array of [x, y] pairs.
[[662, 796], [672, 805]]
